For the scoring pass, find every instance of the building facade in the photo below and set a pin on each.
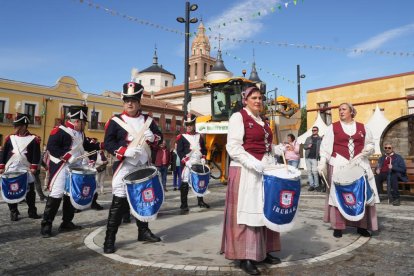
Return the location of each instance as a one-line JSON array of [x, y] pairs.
[[47, 106], [393, 94]]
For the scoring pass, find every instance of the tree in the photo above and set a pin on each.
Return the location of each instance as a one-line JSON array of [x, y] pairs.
[[303, 123]]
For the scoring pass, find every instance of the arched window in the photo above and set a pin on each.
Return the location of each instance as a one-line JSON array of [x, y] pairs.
[[195, 69]]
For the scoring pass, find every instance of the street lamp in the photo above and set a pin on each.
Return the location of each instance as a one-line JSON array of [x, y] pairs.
[[188, 8], [267, 94], [299, 76]]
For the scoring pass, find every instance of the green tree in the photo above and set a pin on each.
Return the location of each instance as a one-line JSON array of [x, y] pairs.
[[303, 122]]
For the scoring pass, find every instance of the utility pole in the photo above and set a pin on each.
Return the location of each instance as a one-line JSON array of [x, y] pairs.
[[299, 76]]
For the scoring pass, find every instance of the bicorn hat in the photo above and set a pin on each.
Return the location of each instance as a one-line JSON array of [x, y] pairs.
[[190, 119], [78, 112], [132, 90], [21, 119]]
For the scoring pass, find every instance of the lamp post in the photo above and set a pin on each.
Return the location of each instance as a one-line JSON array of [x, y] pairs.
[[299, 76], [188, 8], [45, 115]]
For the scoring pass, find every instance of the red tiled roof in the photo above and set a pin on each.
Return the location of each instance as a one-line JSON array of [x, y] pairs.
[[180, 88]]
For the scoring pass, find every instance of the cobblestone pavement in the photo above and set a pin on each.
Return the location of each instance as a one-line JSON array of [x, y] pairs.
[[24, 252]]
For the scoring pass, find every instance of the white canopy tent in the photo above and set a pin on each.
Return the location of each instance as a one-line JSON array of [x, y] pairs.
[[301, 139], [376, 124]]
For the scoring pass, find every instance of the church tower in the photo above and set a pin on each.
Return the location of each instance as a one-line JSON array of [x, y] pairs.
[[200, 61]]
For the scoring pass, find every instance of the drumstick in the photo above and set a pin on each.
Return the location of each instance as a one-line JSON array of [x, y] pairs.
[[87, 154], [324, 179], [284, 160]]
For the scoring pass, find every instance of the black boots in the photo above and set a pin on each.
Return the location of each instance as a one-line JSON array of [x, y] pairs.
[[184, 194], [14, 212], [145, 234], [30, 200], [51, 208], [95, 205], [201, 203], [248, 267], [337, 233], [363, 232], [68, 213], [117, 210]]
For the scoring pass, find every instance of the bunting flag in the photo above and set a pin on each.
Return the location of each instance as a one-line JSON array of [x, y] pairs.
[[277, 7]]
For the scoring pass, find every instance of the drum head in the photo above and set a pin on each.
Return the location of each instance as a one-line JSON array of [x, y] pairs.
[[140, 175], [82, 170], [198, 169], [13, 174], [281, 171], [348, 174]]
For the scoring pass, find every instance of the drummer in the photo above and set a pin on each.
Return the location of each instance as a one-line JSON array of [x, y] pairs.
[[120, 142], [191, 149], [22, 153], [249, 144], [347, 141], [66, 143]]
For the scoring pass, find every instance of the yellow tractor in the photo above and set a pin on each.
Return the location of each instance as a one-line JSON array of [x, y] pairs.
[[226, 99]]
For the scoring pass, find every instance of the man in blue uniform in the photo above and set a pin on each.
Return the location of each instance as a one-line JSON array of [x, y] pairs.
[[191, 149], [22, 153], [123, 134], [65, 145]]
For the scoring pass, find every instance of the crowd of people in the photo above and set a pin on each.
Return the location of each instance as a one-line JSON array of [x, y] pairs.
[[131, 136]]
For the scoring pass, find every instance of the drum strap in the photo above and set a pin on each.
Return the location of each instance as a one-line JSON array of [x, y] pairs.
[[78, 145], [137, 136], [194, 141], [19, 146]]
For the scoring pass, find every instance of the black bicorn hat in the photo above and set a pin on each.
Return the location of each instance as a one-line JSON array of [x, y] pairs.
[[78, 112], [21, 119], [132, 90], [190, 119]]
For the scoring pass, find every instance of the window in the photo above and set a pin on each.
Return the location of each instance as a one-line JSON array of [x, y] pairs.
[[30, 110], [410, 101], [94, 120], [178, 128], [325, 112], [195, 69], [201, 51], [152, 82], [205, 69], [166, 83], [2, 108], [168, 124], [65, 110]]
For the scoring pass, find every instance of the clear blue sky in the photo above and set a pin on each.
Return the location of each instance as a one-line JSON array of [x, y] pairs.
[[40, 41]]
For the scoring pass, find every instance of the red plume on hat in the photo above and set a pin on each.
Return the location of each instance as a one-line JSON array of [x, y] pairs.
[[132, 90]]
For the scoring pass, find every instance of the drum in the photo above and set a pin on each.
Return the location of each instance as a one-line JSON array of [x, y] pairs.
[[281, 192], [199, 179], [14, 186], [81, 186], [144, 192], [352, 191]]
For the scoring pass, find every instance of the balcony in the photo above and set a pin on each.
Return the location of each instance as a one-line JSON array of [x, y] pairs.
[[6, 118]]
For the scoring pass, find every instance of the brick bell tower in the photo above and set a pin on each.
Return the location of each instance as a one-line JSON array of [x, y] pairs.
[[200, 61]]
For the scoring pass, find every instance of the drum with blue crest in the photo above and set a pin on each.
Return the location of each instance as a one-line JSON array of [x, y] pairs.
[[80, 185], [281, 193], [352, 191], [14, 186], [199, 179], [145, 193]]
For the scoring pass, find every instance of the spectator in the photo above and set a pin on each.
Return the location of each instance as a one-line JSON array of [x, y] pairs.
[[176, 168], [162, 160], [292, 151], [101, 164], [391, 167], [312, 146]]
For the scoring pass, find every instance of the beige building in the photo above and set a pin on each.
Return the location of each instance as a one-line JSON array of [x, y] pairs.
[[48, 105], [394, 95]]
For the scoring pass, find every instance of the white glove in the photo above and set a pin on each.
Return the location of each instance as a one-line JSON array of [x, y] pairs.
[[72, 160], [278, 149], [322, 166], [132, 152], [149, 136], [203, 161], [256, 165]]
